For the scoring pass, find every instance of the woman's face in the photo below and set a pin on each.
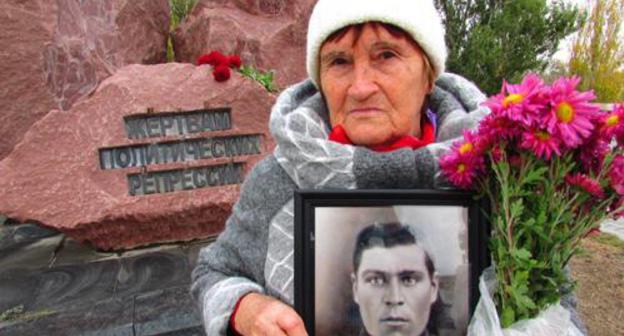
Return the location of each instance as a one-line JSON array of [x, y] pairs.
[[374, 87]]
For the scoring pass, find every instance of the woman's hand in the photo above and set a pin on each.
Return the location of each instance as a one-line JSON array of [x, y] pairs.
[[263, 315]]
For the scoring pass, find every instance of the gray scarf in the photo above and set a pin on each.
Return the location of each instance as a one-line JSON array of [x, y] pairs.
[[300, 125]]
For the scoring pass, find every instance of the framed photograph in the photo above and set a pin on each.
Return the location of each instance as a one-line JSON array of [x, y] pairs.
[[388, 262]]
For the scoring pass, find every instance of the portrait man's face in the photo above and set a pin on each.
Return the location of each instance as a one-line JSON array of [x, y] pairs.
[[394, 291]]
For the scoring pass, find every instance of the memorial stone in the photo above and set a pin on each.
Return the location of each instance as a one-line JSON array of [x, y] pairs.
[[55, 53], [270, 34], [156, 154]]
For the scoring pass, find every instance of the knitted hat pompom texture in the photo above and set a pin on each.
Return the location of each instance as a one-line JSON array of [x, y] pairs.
[[419, 18]]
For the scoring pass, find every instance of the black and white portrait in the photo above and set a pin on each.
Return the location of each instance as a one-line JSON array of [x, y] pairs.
[[376, 263], [387, 270]]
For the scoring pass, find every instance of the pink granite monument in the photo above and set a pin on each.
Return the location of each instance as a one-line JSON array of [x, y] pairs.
[[55, 53], [271, 34], [157, 153]]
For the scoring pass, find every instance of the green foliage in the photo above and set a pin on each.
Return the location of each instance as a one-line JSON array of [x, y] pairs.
[[265, 78], [538, 221], [179, 10], [493, 40], [598, 52], [170, 51]]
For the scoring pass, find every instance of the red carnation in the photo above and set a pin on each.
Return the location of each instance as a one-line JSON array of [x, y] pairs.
[[221, 73], [215, 59], [234, 61], [203, 59]]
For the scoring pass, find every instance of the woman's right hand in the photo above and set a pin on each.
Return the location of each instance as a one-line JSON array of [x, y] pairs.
[[263, 315]]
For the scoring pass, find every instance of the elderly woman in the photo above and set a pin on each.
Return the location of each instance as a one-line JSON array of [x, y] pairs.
[[376, 112]]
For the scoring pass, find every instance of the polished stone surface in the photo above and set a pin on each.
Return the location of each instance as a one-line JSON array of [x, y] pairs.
[[61, 287]]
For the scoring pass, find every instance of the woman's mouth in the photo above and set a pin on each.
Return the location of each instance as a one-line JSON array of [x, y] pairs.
[[365, 110]]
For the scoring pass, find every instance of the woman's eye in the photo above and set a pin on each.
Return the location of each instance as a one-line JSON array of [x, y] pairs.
[[339, 61], [387, 55]]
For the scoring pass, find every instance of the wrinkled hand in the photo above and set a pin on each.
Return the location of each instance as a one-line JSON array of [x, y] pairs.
[[263, 315]]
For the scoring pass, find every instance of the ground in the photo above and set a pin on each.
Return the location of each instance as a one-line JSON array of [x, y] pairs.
[[599, 271]]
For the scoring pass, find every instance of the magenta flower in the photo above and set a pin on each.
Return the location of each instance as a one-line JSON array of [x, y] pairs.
[[612, 124], [460, 169], [521, 102], [593, 153], [571, 113], [541, 143], [493, 129], [586, 183], [471, 145], [496, 154], [616, 174]]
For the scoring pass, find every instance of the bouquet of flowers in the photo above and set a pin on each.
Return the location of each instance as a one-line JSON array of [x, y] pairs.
[[552, 165]]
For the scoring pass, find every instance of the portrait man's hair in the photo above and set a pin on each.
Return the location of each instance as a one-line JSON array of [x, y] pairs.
[[386, 235]]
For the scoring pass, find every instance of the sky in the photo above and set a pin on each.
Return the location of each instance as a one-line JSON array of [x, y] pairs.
[[563, 53]]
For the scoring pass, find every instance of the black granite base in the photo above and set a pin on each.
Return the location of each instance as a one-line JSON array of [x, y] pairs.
[[54, 286]]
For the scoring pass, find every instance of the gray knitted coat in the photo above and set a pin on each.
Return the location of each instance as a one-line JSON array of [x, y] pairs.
[[255, 251]]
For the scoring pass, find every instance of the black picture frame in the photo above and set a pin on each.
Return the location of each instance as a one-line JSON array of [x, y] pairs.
[[312, 206]]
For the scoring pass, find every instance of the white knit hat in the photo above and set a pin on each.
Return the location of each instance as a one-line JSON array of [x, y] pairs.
[[419, 18]]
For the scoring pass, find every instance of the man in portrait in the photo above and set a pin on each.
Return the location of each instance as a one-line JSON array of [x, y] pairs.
[[394, 281]]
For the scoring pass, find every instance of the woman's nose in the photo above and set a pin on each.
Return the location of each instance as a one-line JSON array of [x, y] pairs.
[[393, 295], [363, 85]]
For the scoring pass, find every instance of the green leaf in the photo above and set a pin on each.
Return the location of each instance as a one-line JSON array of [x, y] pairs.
[[516, 208], [523, 255], [266, 79], [508, 317], [535, 175]]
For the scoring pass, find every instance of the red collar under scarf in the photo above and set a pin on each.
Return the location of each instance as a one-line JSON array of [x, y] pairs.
[[338, 134]]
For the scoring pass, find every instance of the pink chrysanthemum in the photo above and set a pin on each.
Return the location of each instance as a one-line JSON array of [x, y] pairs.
[[612, 124], [461, 165], [593, 153], [571, 113], [616, 174], [496, 153], [586, 183], [495, 128], [541, 143], [471, 144], [521, 102]]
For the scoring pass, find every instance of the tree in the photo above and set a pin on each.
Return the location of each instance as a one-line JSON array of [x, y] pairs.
[[598, 53], [493, 40]]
